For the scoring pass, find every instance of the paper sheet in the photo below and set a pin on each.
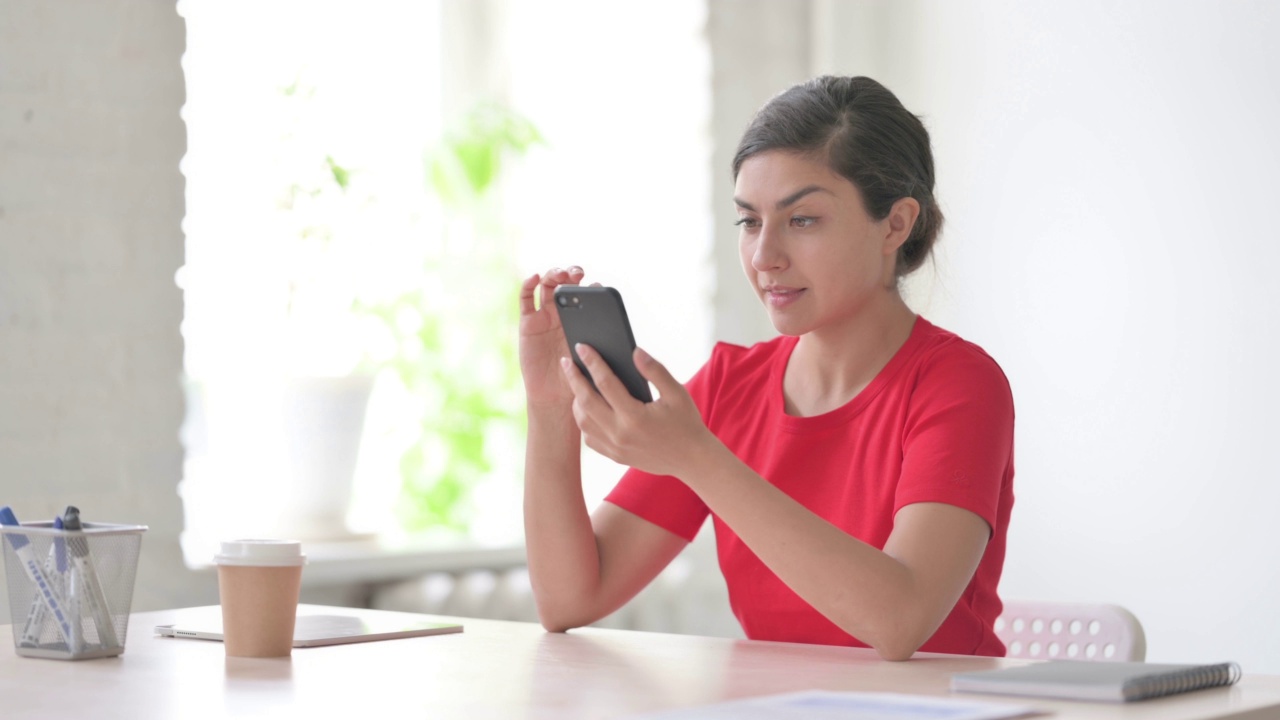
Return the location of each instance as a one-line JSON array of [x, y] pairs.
[[827, 705]]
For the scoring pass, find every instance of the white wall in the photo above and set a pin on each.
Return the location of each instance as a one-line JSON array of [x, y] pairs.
[[90, 237], [1109, 172], [758, 48]]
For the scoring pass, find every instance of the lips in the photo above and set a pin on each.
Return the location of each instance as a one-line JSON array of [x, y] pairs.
[[780, 295]]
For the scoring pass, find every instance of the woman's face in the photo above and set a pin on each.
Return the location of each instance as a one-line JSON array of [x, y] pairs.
[[812, 253]]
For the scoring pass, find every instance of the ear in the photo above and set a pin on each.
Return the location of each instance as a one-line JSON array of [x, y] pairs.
[[899, 223]]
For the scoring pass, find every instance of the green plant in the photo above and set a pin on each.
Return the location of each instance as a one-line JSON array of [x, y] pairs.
[[320, 209], [453, 335]]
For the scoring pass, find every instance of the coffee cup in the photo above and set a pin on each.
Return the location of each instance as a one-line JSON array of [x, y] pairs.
[[258, 586]]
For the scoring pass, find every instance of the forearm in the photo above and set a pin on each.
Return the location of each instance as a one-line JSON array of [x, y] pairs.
[[564, 562], [865, 591]]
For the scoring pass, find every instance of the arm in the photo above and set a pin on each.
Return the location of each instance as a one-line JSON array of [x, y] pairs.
[[892, 599], [581, 567]]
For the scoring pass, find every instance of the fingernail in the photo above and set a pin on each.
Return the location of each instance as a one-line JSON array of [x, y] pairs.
[[643, 355], [582, 350], [564, 363]]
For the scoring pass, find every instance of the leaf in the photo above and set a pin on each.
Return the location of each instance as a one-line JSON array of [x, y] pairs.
[[471, 157], [340, 174]]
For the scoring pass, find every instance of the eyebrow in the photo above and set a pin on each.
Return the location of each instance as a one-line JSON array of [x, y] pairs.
[[787, 201]]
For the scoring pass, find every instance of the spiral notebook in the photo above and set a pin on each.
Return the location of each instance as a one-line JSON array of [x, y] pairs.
[[1104, 681]]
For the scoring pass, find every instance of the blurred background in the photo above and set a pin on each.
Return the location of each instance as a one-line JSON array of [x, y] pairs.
[[259, 265]]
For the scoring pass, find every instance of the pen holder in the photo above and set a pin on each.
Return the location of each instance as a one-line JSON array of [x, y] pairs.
[[70, 591]]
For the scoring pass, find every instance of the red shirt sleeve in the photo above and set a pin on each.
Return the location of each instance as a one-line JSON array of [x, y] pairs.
[[664, 500], [958, 439]]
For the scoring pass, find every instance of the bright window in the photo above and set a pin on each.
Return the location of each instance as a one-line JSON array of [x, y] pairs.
[[310, 217]]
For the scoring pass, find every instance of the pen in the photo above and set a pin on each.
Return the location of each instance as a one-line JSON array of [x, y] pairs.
[[85, 579], [27, 558]]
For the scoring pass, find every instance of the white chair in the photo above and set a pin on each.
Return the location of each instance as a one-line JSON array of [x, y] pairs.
[[1071, 631]]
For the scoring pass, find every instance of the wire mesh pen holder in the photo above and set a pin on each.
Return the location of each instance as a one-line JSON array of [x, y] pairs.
[[70, 591]]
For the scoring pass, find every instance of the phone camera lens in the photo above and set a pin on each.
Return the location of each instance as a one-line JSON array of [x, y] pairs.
[[576, 300], [562, 300]]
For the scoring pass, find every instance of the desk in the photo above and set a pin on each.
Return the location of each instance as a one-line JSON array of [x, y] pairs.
[[508, 670]]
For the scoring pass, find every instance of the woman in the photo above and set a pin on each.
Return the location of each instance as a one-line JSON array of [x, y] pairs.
[[858, 468]]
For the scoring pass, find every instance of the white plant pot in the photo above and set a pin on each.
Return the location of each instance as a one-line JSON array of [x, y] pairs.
[[323, 421], [267, 458]]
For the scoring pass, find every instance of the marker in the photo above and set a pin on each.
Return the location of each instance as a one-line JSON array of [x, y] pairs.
[[55, 568], [85, 578], [27, 558], [60, 548], [67, 586]]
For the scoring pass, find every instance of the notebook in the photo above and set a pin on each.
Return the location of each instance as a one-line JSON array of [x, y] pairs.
[[1105, 681], [317, 630]]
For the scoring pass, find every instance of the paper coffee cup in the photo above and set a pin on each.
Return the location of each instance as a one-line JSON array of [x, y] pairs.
[[258, 586]]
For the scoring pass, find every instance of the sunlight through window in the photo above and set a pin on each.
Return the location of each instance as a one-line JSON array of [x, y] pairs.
[[347, 319]]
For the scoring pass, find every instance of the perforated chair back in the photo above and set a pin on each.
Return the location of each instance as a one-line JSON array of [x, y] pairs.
[[1071, 631]]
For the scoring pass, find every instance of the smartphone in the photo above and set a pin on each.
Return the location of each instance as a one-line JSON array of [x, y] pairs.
[[595, 316]]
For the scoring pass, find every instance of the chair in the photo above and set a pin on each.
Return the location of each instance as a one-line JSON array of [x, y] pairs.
[[1071, 631]]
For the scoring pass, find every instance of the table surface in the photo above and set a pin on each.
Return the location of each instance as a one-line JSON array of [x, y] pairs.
[[498, 669]]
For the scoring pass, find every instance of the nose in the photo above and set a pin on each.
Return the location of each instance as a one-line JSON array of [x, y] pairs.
[[769, 253]]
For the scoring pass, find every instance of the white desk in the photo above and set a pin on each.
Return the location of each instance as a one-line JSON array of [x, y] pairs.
[[508, 670]]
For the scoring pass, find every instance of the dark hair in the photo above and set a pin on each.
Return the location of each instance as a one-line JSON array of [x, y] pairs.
[[864, 134]]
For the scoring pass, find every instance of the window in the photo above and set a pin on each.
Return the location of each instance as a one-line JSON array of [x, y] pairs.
[[311, 129], [623, 186]]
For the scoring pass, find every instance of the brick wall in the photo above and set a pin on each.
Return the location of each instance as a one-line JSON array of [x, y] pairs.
[[91, 205]]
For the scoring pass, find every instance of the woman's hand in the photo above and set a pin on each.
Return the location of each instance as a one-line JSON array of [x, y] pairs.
[[542, 342], [663, 437]]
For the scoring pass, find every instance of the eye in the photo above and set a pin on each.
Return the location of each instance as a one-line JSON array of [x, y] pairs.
[[803, 222], [747, 222]]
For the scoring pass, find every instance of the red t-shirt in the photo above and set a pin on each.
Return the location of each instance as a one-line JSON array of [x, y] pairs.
[[936, 425]]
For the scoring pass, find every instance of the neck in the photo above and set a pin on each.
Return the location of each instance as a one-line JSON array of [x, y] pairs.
[[830, 366]]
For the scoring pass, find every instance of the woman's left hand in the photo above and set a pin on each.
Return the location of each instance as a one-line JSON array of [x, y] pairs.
[[663, 437]]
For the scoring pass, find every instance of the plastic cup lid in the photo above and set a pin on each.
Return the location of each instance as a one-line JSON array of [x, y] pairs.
[[261, 553]]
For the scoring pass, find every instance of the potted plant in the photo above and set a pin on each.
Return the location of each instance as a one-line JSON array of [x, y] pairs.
[[449, 339]]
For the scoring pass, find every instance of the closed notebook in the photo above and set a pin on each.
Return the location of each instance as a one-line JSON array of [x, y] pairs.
[[319, 630], [1105, 681]]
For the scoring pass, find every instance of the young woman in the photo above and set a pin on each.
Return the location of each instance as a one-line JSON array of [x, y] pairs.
[[858, 468]]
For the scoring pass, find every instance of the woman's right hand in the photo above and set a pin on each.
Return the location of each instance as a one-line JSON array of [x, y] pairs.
[[542, 342]]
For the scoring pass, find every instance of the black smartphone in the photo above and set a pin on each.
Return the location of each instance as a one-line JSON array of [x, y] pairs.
[[595, 316]]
